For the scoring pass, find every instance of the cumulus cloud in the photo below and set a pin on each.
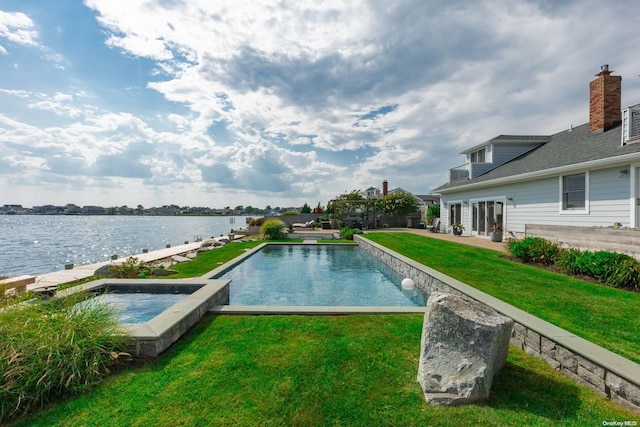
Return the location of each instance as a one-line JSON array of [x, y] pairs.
[[18, 28], [268, 101]]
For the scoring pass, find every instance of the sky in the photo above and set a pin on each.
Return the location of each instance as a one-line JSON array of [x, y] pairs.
[[281, 103]]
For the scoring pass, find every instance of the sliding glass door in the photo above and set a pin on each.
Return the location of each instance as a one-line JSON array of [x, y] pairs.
[[486, 215]]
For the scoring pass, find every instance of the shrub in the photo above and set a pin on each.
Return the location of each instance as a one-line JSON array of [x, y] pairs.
[[593, 264], [544, 251], [348, 232], [567, 260], [273, 229], [131, 268], [256, 221], [433, 211], [625, 274], [534, 249], [605, 266], [611, 268], [49, 350]]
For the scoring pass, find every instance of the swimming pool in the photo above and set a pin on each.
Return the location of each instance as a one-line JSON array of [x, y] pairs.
[[154, 331], [138, 307], [316, 275]]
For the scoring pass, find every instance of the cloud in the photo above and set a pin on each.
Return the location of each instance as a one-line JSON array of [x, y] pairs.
[[256, 100], [18, 28]]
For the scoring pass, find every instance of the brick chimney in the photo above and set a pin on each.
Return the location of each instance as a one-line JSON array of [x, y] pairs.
[[385, 188], [605, 99]]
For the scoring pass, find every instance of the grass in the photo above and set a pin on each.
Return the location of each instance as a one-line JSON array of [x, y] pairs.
[[208, 260], [319, 371], [352, 370], [601, 314], [51, 349]]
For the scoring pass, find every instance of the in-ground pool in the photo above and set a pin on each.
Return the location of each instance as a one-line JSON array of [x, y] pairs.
[[161, 327], [317, 275], [137, 307]]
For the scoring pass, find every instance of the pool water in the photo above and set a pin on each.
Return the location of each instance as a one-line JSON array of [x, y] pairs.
[[139, 307], [317, 275]]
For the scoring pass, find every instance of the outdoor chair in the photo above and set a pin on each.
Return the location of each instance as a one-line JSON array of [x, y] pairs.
[[434, 227]]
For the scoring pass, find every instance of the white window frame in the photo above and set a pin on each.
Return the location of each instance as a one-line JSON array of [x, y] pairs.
[[561, 208]]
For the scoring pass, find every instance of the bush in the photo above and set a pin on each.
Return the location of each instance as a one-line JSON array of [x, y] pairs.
[[273, 229], [534, 249], [49, 350], [611, 268], [131, 268], [257, 222], [625, 274], [348, 232], [433, 211], [606, 266], [567, 260]]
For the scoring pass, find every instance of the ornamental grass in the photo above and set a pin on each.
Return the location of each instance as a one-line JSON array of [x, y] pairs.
[[50, 349]]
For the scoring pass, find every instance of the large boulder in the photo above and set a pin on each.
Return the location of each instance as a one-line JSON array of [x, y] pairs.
[[464, 345]]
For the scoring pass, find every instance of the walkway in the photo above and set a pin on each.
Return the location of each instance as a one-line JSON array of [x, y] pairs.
[[83, 271]]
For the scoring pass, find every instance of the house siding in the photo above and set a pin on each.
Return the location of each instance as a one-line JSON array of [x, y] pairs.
[[504, 153], [538, 202]]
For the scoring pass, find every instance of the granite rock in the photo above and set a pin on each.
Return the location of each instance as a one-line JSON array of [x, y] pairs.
[[464, 345]]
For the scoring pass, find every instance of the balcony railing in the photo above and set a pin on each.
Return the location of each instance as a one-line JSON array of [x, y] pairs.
[[458, 173]]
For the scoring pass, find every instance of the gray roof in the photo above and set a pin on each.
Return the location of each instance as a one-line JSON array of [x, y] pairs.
[[510, 139], [565, 149]]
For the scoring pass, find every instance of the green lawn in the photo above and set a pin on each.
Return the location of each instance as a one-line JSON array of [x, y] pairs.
[[316, 371], [606, 316], [359, 370]]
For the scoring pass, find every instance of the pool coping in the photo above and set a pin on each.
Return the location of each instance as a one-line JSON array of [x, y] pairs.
[[313, 309]]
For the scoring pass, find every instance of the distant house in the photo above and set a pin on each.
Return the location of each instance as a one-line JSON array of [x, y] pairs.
[[587, 175], [371, 192], [93, 210]]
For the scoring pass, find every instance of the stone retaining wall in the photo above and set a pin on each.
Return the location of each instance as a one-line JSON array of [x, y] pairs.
[[585, 363]]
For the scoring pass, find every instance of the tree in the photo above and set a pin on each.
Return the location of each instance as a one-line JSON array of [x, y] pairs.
[[305, 209], [398, 204], [433, 211], [347, 203]]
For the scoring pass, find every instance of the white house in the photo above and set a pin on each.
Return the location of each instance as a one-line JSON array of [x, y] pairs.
[[587, 175]]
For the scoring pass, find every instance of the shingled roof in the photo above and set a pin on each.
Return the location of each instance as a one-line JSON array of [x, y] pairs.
[[567, 150]]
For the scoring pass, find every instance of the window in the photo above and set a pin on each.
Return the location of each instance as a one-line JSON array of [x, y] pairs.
[[574, 192], [477, 156], [455, 213]]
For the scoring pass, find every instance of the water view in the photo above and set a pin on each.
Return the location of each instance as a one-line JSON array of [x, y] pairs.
[[33, 244]]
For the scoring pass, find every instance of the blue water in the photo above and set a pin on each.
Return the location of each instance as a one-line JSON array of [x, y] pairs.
[[301, 275], [38, 244], [137, 307]]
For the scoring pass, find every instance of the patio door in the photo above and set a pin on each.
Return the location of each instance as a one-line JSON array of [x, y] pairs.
[[484, 214]]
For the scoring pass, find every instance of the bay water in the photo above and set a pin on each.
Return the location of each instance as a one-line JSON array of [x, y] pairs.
[[38, 244]]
